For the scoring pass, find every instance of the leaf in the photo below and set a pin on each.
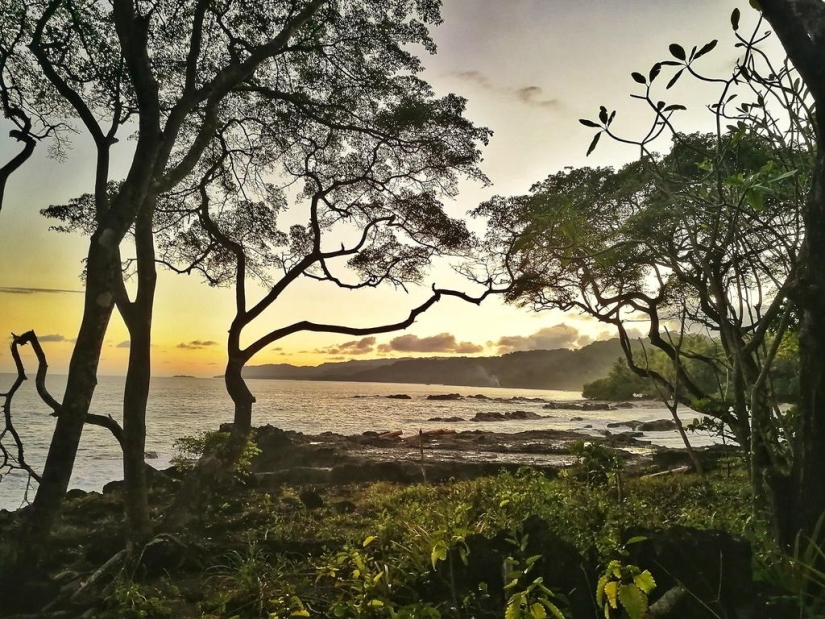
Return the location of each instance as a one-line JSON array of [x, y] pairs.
[[537, 611], [633, 601], [734, 19], [674, 78], [439, 553], [677, 51], [645, 581], [755, 4], [674, 107], [593, 143], [600, 590], [707, 47], [369, 540], [641, 538], [554, 610], [299, 613], [638, 77], [654, 71], [589, 123], [611, 591], [603, 114]]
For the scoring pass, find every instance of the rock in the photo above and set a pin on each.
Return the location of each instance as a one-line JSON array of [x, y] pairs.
[[113, 486], [446, 419], [448, 396], [623, 405], [577, 419], [311, 499], [164, 554], [399, 396], [226, 427], [150, 455], [660, 425], [478, 396], [509, 416], [75, 493]]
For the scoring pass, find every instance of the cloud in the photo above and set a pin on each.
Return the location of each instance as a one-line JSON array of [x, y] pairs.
[[16, 290], [532, 96], [549, 338], [124, 344], [196, 344], [52, 337], [354, 347], [443, 342]]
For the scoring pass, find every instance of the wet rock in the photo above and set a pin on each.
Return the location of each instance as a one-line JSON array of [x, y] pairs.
[[399, 396], [75, 493], [577, 419], [479, 396], [623, 405], [447, 396], [579, 406], [660, 425], [508, 416], [446, 419], [150, 455]]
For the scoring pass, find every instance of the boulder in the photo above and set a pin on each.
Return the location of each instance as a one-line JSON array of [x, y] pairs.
[[399, 396], [446, 396], [446, 419], [660, 425], [508, 416]]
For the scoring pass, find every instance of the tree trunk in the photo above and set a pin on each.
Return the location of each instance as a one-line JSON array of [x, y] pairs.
[[138, 318], [80, 387], [241, 396], [808, 475]]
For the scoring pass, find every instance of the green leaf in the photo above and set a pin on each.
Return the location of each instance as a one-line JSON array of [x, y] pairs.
[[369, 540], [611, 591], [439, 553], [734, 19], [642, 538], [537, 611], [593, 144], [638, 77], [677, 51], [645, 581], [554, 610], [589, 123], [299, 613], [633, 600]]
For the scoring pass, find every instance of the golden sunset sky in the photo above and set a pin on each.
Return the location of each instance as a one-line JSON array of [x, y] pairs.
[[529, 68]]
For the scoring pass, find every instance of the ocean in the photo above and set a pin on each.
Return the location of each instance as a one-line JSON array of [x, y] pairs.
[[184, 406]]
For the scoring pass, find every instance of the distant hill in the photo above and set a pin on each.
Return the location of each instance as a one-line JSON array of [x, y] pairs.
[[533, 369]]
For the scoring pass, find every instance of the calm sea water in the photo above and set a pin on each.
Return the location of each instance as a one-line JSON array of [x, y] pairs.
[[184, 406]]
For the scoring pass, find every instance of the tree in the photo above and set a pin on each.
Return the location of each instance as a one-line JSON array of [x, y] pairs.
[[707, 235], [800, 26], [176, 76]]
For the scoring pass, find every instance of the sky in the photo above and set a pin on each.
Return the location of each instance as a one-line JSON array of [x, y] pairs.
[[529, 69]]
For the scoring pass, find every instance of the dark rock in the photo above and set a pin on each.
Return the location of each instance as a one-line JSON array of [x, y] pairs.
[[509, 416], [150, 455], [577, 419], [113, 486], [479, 397], [446, 419], [623, 405], [311, 499], [162, 555], [75, 493], [448, 396], [226, 427], [399, 396], [660, 425]]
